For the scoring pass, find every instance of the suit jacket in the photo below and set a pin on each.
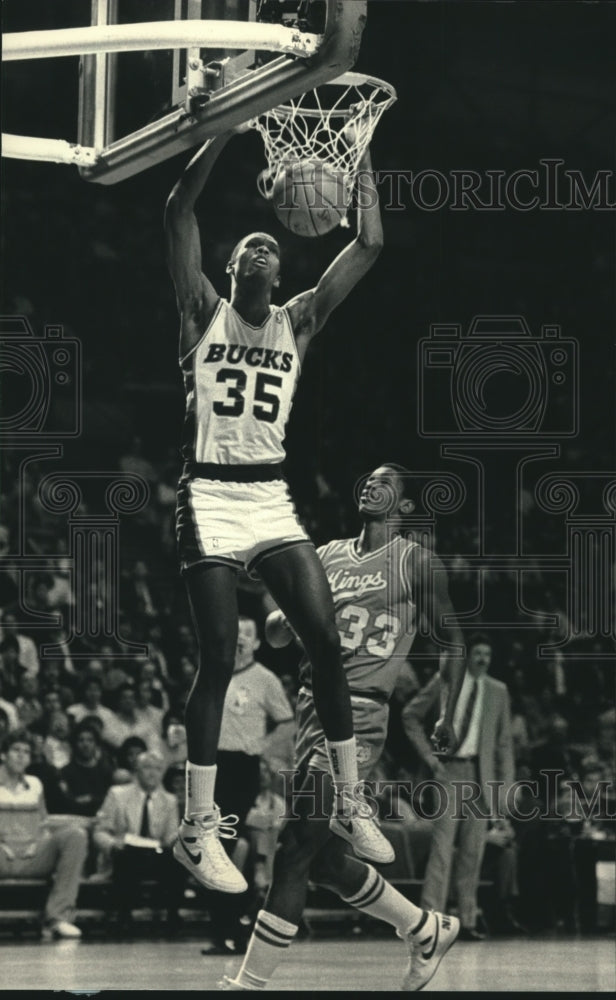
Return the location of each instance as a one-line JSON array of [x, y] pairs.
[[122, 810], [496, 761]]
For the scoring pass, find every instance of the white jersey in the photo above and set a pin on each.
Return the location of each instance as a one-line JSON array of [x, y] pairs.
[[240, 381]]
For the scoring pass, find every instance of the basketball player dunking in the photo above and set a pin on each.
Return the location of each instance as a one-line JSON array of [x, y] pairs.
[[241, 361], [381, 584]]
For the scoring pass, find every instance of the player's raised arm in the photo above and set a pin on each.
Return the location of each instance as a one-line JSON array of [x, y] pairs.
[[310, 310], [196, 296], [431, 591]]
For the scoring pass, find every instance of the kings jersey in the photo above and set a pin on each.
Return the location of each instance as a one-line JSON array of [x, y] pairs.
[[375, 612], [239, 381]]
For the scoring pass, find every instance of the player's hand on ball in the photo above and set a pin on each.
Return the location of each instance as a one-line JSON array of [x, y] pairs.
[[352, 133]]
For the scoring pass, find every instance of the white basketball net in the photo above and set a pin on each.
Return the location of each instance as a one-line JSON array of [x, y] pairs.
[[315, 126]]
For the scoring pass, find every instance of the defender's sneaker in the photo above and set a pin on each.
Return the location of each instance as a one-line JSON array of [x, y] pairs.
[[198, 848], [226, 983], [355, 823], [61, 929], [426, 954]]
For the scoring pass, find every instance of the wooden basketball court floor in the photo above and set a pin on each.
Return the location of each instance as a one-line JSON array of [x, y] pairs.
[[542, 965]]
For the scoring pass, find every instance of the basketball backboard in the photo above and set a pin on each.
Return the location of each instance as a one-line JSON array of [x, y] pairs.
[[159, 78]]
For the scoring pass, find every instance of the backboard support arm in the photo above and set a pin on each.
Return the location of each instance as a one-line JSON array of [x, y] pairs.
[[244, 98]]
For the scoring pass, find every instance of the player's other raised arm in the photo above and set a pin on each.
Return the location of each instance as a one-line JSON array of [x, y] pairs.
[[310, 310], [195, 294]]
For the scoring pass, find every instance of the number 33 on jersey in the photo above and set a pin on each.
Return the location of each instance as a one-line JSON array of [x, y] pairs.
[[240, 381], [375, 610]]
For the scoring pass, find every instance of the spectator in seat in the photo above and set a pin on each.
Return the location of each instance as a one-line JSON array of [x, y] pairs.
[[52, 677], [28, 653], [127, 722], [84, 782], [127, 760], [145, 707], [149, 670], [28, 849], [136, 828], [91, 704], [57, 745], [27, 703]]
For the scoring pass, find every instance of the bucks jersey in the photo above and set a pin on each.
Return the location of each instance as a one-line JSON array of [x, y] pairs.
[[375, 612], [239, 381]]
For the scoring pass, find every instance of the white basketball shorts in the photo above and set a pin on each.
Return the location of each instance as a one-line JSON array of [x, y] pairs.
[[235, 523]]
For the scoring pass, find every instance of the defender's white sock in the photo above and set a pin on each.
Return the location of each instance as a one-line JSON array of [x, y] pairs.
[[379, 899], [271, 936]]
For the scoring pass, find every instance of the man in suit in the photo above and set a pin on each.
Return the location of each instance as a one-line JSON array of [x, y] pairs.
[[484, 754], [136, 828]]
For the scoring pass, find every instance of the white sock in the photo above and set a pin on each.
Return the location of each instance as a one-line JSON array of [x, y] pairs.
[[271, 936], [200, 781], [379, 899], [342, 755]]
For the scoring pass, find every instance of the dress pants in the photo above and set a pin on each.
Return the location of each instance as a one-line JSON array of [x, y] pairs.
[[471, 836]]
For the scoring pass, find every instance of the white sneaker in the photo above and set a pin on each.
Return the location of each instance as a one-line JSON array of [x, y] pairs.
[[198, 848], [425, 959], [226, 983], [61, 929], [360, 828]]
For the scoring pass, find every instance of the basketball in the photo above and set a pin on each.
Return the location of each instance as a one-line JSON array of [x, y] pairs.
[[310, 198]]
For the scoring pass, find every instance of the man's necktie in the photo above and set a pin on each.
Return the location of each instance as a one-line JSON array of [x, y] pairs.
[[468, 714], [144, 830]]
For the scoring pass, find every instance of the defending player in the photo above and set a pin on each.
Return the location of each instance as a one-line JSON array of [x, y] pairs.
[[381, 585], [241, 361]]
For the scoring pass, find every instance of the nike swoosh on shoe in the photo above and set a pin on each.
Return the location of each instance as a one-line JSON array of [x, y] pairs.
[[195, 858], [428, 954]]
